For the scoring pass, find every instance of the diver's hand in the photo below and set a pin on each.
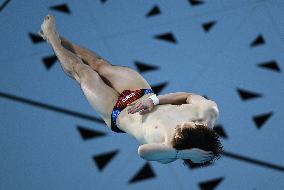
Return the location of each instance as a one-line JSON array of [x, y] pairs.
[[144, 106], [196, 155]]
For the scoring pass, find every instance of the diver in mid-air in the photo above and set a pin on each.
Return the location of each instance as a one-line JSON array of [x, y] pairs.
[[169, 127]]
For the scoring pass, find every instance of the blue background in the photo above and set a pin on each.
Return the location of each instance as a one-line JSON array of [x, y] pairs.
[[43, 149]]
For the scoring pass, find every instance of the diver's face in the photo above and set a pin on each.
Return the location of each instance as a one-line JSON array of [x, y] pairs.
[[189, 124], [183, 126]]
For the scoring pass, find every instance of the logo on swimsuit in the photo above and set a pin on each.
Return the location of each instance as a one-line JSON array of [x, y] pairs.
[[128, 96]]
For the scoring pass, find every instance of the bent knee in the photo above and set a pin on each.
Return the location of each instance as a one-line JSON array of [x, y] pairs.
[[85, 72], [103, 68]]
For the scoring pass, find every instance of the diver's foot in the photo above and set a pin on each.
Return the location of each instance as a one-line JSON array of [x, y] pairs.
[[48, 31]]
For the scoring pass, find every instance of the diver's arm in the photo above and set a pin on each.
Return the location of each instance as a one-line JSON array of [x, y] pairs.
[[194, 98], [157, 152], [165, 154], [176, 98]]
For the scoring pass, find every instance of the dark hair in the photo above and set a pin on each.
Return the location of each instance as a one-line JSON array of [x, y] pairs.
[[201, 137]]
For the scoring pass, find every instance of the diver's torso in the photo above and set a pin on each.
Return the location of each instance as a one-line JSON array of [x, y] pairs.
[[158, 125]]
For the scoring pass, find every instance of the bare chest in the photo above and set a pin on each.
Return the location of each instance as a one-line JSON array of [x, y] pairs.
[[158, 126]]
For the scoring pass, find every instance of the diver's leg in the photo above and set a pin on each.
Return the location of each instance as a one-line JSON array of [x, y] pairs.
[[117, 77], [122, 78], [101, 97], [89, 57]]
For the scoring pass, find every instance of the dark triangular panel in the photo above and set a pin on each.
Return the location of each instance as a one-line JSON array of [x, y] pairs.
[[246, 95], [259, 120], [208, 25], [103, 1], [49, 61], [154, 11], [35, 38], [169, 37], [271, 65], [142, 67], [4, 5], [87, 134], [258, 41], [195, 2], [144, 173], [211, 184], [220, 130], [62, 8], [103, 159], [158, 88]]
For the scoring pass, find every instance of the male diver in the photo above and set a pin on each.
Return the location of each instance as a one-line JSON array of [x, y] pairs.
[[169, 127]]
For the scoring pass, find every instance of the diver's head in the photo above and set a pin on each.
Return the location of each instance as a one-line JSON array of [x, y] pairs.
[[193, 135]]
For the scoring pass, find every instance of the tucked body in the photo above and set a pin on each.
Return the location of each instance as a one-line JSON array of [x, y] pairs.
[[169, 127], [158, 126]]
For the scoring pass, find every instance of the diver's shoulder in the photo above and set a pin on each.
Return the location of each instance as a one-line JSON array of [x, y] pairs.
[[214, 107]]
